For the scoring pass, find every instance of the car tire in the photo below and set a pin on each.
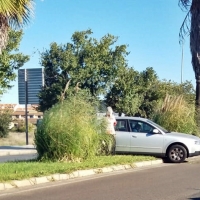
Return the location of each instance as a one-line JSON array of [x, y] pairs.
[[176, 154]]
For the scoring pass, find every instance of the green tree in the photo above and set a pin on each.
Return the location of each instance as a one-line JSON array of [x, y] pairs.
[[140, 93], [193, 28], [5, 120], [147, 80], [10, 60], [154, 91], [134, 93], [13, 14], [123, 96], [91, 63], [184, 89]]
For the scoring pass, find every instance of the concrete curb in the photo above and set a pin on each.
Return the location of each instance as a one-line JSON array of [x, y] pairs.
[[75, 174], [15, 152]]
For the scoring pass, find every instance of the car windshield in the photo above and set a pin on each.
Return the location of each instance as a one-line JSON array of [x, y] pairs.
[[160, 127]]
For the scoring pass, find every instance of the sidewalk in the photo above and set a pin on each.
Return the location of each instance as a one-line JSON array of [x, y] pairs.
[[17, 150]]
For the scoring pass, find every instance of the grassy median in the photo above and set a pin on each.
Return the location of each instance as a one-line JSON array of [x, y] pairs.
[[24, 170]]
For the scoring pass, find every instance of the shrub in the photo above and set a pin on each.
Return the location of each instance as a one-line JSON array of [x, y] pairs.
[[176, 114], [69, 130], [106, 142], [21, 126], [5, 120]]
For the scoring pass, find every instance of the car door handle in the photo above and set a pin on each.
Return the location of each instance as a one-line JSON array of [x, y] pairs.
[[134, 136]]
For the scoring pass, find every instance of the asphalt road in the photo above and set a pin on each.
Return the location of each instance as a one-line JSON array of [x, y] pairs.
[[17, 157], [162, 182]]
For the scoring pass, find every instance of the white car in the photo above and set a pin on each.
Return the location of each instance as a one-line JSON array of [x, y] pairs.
[[142, 136]]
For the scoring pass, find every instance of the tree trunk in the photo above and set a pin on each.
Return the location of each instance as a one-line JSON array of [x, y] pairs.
[[3, 32], [195, 51], [198, 103]]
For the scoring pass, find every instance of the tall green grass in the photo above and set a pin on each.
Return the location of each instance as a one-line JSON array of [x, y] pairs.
[[69, 130], [176, 114]]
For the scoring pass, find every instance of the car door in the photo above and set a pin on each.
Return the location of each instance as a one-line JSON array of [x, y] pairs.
[[144, 140], [122, 136]]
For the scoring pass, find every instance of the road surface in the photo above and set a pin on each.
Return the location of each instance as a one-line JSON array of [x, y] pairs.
[[17, 157]]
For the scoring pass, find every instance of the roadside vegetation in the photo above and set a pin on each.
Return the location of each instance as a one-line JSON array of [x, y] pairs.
[[77, 75], [24, 170], [5, 120], [70, 129], [21, 126], [176, 114]]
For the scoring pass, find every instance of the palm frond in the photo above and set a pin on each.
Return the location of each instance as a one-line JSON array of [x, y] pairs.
[[185, 28], [14, 14], [6, 7], [17, 12], [185, 4]]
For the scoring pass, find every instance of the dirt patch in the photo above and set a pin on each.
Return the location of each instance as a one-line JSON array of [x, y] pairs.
[[17, 138]]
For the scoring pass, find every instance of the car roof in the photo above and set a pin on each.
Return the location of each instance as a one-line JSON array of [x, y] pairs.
[[133, 118]]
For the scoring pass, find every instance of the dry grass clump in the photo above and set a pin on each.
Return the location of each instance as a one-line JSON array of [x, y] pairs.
[[17, 138], [175, 114]]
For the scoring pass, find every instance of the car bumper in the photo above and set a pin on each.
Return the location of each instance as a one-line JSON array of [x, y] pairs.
[[196, 153]]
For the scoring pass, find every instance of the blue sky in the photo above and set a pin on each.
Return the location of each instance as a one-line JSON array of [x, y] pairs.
[[150, 28]]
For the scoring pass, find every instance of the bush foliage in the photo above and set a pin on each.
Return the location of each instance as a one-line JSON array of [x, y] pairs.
[[106, 144], [21, 126], [69, 130], [176, 114], [5, 120]]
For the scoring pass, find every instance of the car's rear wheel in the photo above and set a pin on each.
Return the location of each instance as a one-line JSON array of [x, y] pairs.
[[177, 154]]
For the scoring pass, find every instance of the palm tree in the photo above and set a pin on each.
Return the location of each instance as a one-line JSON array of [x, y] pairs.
[[191, 25], [13, 14]]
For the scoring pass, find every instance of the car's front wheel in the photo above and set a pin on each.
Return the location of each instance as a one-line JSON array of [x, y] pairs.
[[177, 154]]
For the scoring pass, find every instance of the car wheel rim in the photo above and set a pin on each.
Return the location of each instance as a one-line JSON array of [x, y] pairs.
[[176, 154]]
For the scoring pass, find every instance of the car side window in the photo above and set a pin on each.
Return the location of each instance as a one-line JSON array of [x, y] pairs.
[[121, 125], [139, 126], [132, 124], [147, 128]]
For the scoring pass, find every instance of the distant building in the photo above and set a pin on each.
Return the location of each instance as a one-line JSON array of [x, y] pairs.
[[18, 112]]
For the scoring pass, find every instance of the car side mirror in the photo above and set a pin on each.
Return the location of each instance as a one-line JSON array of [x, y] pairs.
[[155, 131]]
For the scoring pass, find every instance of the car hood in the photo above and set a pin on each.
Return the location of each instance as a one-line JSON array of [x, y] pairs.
[[183, 135]]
